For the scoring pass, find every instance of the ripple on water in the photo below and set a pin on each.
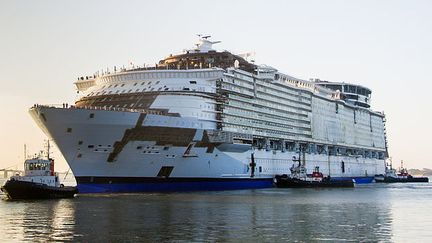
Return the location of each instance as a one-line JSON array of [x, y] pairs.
[[365, 213]]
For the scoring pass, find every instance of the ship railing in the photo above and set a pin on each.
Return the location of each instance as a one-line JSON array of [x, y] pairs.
[[138, 68], [104, 108]]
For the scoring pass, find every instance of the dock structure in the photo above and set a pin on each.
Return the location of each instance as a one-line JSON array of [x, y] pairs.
[[7, 172]]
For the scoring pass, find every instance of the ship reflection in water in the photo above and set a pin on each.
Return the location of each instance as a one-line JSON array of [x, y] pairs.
[[365, 213]]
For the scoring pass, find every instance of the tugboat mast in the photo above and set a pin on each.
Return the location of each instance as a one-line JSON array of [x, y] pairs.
[[48, 149]]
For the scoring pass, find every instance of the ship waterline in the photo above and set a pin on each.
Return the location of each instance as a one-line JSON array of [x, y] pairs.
[[208, 120]]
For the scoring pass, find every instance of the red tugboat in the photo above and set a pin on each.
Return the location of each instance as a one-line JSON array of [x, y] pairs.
[[391, 176], [39, 181], [299, 178]]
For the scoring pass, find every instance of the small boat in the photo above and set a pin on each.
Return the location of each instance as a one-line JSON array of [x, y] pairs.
[[402, 176], [38, 182], [300, 179]]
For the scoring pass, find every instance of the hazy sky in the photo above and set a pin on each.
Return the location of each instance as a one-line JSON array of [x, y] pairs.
[[384, 45]]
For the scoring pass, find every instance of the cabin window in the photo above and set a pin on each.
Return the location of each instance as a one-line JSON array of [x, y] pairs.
[[260, 169], [343, 167], [192, 82], [135, 84], [79, 155], [91, 115], [80, 142], [337, 108], [69, 130], [139, 147], [90, 146], [186, 89], [122, 85]]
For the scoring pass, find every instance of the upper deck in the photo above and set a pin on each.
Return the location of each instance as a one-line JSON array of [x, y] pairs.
[[177, 72], [353, 94]]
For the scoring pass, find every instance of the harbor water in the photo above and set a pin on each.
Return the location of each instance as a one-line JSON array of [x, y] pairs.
[[374, 212]]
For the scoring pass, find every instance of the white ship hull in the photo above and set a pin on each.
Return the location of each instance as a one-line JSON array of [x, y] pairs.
[[87, 143]]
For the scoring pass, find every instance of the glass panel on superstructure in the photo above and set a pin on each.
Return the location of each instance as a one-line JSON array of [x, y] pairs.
[[261, 108]]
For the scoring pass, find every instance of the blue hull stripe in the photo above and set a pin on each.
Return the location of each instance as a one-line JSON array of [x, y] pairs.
[[173, 186], [358, 180], [123, 185]]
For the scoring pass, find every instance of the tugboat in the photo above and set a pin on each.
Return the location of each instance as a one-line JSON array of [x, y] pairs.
[[391, 176], [299, 178], [39, 181]]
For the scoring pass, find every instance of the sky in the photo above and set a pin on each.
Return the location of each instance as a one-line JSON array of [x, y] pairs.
[[385, 45]]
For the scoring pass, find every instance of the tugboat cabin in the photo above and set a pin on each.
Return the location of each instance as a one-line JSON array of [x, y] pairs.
[[39, 167], [38, 170]]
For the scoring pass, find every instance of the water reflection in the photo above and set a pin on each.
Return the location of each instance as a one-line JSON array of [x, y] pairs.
[[262, 215], [37, 220], [304, 215]]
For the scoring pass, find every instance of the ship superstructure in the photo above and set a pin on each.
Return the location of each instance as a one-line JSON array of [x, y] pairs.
[[206, 119]]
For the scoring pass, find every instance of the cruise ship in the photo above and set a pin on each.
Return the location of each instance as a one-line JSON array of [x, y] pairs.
[[212, 120]]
